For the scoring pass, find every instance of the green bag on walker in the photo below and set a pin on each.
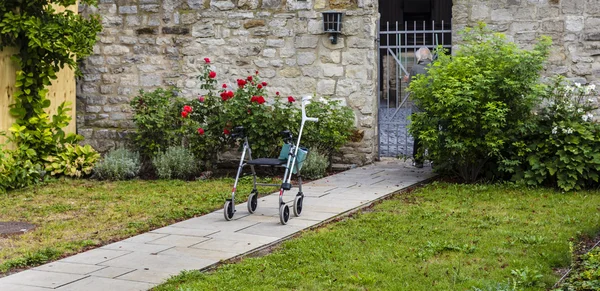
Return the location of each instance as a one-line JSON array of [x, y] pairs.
[[302, 152]]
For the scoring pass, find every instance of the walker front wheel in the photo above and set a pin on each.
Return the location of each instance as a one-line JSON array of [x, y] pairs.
[[284, 214], [298, 204], [228, 210], [252, 202]]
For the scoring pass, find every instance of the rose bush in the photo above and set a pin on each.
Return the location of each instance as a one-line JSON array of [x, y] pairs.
[[204, 123]]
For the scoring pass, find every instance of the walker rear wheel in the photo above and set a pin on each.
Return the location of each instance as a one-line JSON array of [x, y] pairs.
[[284, 214], [228, 210], [298, 204], [252, 202]]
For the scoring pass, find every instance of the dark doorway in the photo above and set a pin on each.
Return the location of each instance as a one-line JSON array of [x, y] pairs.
[[404, 27]]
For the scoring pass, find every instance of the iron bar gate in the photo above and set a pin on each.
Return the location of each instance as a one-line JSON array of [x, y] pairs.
[[397, 47]]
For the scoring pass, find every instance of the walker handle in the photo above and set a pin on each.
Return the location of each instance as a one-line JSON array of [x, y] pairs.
[[306, 101]]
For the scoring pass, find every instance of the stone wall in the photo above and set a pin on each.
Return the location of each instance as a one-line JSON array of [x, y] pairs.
[[574, 26], [147, 44]]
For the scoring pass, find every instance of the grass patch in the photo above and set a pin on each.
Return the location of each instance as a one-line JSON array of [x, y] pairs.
[[73, 215], [440, 237]]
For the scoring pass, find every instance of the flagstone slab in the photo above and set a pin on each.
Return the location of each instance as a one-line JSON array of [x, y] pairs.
[[106, 284], [68, 268], [41, 279]]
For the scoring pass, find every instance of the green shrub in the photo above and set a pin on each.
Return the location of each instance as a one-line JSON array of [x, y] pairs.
[[156, 116], [476, 102], [119, 164], [561, 149], [176, 162], [16, 172], [72, 160], [333, 129], [315, 166]]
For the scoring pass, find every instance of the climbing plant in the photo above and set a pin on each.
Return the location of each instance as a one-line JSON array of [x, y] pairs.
[[47, 40]]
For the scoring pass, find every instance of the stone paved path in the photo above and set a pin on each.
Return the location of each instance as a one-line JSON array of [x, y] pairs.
[[144, 261]]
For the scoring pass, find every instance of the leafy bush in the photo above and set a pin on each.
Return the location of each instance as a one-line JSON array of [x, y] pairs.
[[315, 166], [561, 149], [333, 129], [176, 162], [586, 274], [72, 160], [119, 164], [16, 172], [156, 118], [476, 102]]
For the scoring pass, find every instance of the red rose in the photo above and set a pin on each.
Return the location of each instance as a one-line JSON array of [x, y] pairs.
[[207, 60], [212, 74], [200, 131], [224, 85], [253, 99], [259, 86], [277, 93], [291, 99], [249, 78], [184, 114], [187, 108], [260, 100], [256, 72], [201, 98], [241, 83], [230, 94], [226, 131], [264, 84]]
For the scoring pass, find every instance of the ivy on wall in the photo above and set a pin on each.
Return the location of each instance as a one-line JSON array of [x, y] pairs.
[[47, 40]]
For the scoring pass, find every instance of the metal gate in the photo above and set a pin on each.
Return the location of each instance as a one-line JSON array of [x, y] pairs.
[[397, 45]]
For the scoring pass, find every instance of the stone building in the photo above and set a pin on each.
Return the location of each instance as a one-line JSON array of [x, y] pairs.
[[158, 43]]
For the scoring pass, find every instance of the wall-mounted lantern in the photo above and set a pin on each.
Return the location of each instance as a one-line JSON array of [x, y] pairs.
[[332, 23]]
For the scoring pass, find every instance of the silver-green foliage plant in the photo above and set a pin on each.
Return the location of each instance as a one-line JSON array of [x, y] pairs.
[[118, 164], [477, 101], [176, 162], [315, 166]]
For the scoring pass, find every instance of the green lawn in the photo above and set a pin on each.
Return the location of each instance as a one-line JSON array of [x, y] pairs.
[[440, 237], [73, 215]]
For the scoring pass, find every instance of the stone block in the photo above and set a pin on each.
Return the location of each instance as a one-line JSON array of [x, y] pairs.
[[326, 87], [553, 26], [270, 4], [574, 23], [275, 42], [248, 4], [111, 20], [330, 70], [345, 87], [128, 9], [254, 23], [93, 109], [502, 15], [306, 58], [359, 42], [115, 49], [150, 80], [203, 30], [269, 53], [524, 26], [153, 8], [222, 4], [195, 4], [289, 72], [308, 41], [480, 12]]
